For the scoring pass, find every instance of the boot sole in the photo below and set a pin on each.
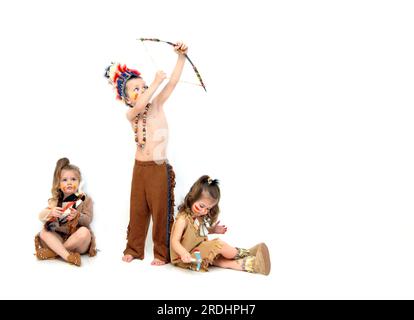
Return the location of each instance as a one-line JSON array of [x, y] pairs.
[[263, 257]]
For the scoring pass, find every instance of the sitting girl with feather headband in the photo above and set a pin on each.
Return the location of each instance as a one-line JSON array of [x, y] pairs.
[[66, 232], [197, 217], [153, 178]]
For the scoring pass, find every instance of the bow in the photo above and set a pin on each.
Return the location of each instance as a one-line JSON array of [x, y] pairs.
[[187, 57]]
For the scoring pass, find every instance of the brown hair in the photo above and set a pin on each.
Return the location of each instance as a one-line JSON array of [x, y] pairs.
[[62, 164], [203, 184]]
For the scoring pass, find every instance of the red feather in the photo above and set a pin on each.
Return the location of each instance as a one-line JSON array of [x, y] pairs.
[[135, 71]]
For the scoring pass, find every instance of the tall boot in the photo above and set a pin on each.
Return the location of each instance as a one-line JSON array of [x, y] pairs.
[[253, 250], [242, 253], [259, 263]]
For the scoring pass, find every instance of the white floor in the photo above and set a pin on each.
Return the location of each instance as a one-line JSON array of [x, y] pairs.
[[107, 277], [299, 271]]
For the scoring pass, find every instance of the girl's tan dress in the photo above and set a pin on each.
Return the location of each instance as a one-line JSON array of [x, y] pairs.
[[191, 241]]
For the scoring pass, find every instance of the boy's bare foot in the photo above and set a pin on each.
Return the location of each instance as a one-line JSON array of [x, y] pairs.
[[127, 258], [157, 262]]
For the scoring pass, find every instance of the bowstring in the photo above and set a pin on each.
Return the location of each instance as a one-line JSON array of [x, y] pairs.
[[152, 59], [157, 67]]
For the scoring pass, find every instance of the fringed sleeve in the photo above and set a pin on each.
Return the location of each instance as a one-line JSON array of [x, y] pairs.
[[86, 214]]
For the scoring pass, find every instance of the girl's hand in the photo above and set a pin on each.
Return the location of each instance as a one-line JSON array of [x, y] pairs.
[[186, 258], [218, 229], [180, 48], [160, 76], [55, 213], [73, 214]]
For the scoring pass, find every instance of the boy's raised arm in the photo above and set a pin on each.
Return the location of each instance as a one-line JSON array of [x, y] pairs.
[[165, 93]]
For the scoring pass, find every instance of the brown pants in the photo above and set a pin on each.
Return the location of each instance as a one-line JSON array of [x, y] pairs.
[[152, 195]]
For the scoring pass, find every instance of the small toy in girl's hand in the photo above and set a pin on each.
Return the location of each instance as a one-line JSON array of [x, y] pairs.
[[63, 219], [66, 211], [197, 259]]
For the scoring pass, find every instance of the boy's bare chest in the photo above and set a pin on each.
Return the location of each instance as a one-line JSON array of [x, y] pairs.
[[155, 120], [155, 127]]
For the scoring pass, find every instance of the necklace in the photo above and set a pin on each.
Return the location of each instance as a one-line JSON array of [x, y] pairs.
[[202, 226], [144, 127]]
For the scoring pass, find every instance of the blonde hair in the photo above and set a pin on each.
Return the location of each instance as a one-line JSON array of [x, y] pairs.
[[62, 164]]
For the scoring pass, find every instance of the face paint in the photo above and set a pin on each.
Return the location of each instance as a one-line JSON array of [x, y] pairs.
[[197, 209], [65, 189]]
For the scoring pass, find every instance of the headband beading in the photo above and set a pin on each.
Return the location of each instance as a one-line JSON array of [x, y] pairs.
[[118, 75]]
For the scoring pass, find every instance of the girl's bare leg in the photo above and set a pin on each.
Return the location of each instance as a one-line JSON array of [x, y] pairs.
[[227, 260], [54, 242], [79, 241], [228, 264], [228, 251]]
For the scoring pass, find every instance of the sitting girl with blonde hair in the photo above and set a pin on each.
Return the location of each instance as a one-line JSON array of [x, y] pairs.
[[66, 232]]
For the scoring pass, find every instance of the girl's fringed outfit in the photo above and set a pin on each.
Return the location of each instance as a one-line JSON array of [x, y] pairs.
[[195, 239], [66, 228]]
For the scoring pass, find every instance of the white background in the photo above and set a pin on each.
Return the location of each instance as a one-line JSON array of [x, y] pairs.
[[307, 123]]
